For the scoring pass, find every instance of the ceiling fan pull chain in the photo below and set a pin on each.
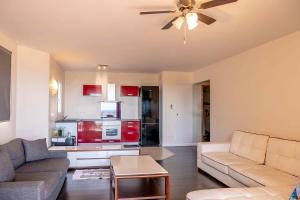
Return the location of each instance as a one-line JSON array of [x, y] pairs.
[[185, 34]]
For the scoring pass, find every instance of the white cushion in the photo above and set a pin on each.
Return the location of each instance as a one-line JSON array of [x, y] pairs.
[[261, 193], [221, 160], [249, 145], [284, 155], [242, 178], [264, 175]]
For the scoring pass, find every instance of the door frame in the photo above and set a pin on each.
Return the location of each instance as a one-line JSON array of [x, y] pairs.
[[198, 110]]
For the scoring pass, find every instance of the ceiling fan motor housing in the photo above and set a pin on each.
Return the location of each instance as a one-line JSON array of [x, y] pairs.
[[186, 3]]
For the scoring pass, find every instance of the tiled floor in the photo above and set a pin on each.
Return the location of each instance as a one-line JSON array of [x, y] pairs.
[[184, 177]]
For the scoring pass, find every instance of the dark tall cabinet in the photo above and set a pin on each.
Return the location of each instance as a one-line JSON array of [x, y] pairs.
[[150, 116]]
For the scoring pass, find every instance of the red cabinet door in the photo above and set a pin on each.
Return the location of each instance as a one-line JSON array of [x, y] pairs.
[[80, 133], [130, 131], [92, 90], [130, 91], [89, 132]]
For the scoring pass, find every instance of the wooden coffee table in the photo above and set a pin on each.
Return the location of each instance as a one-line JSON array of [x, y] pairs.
[[138, 167]]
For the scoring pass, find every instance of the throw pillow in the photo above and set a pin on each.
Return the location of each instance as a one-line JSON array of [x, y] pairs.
[[35, 150], [296, 193], [7, 171]]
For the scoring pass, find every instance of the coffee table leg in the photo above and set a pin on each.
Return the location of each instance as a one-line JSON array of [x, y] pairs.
[[167, 187], [116, 189]]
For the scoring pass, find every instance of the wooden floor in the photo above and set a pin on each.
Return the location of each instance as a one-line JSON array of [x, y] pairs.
[[184, 177]]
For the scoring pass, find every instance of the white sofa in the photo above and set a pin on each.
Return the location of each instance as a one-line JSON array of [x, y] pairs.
[[270, 166]]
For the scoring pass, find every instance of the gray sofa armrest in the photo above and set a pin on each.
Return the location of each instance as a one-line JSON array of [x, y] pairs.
[[57, 154], [23, 190]]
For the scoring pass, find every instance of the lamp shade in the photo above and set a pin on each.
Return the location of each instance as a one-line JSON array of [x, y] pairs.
[[178, 22], [192, 20]]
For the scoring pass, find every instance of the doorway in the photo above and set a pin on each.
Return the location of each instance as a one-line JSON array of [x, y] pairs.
[[206, 112], [201, 112]]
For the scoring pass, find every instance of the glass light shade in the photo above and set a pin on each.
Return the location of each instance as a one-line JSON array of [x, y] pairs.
[[53, 87], [192, 20], [178, 22]]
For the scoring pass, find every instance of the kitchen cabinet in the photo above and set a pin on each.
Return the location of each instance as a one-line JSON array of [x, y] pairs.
[[89, 132], [129, 108], [133, 91], [95, 156], [92, 90], [130, 131]]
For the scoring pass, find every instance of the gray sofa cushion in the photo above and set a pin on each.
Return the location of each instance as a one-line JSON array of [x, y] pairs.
[[15, 151], [35, 150], [47, 165], [23, 190], [7, 171], [51, 180]]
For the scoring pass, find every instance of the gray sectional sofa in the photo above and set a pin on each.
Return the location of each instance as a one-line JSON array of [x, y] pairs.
[[36, 180]]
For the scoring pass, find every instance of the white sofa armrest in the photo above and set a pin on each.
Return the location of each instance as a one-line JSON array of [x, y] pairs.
[[204, 147]]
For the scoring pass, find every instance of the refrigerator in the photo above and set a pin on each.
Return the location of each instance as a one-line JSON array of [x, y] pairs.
[[150, 116]]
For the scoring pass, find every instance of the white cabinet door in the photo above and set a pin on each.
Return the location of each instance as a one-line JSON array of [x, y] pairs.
[[129, 107], [88, 159], [95, 158]]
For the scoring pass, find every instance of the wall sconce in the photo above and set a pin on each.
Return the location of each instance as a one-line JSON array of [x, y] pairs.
[[53, 87]]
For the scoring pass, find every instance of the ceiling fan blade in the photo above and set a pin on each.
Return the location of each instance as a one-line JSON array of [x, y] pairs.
[[215, 3], [157, 12], [205, 19], [169, 25]]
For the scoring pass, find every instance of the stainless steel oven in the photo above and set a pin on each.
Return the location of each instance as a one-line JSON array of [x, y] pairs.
[[111, 130]]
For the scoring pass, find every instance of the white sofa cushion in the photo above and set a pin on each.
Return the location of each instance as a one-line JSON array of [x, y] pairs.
[[284, 155], [235, 171], [264, 175], [221, 160], [261, 193], [249, 145]]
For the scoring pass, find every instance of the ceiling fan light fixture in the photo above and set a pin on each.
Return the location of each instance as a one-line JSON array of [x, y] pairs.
[[192, 20], [102, 67], [178, 22]]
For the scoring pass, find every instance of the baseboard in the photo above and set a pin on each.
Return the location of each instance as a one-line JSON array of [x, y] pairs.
[[179, 145]]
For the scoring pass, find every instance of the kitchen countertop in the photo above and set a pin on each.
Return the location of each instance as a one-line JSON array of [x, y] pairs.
[[78, 120]]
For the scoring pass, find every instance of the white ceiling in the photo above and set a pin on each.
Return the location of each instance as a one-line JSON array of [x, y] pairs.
[[82, 33]]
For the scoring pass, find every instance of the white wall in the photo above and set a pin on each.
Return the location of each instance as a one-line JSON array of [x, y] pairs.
[[177, 105], [57, 73], [32, 100], [78, 106], [7, 129], [257, 90]]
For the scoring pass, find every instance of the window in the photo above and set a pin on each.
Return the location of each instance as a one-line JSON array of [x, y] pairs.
[[59, 98]]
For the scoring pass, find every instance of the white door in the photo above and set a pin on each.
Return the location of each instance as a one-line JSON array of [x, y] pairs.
[[183, 114]]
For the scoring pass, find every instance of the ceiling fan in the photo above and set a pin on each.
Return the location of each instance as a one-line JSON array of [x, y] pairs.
[[189, 12]]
